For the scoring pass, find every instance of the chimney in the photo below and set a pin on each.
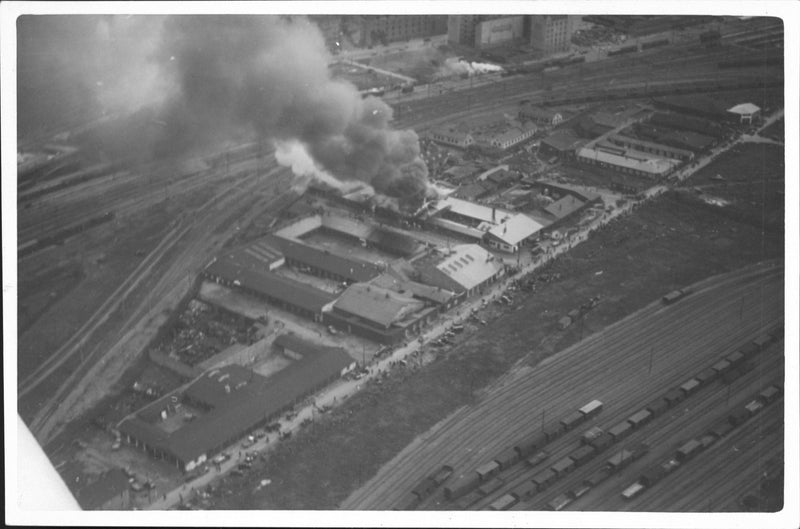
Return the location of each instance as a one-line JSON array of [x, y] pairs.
[[493, 213]]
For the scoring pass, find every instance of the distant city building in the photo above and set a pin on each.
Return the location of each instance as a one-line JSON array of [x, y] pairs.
[[552, 33], [478, 31], [383, 29], [498, 31]]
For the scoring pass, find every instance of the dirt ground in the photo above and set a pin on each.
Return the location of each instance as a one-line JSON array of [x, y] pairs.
[[673, 241], [752, 181]]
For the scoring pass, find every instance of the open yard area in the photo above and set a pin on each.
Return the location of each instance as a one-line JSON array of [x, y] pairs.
[[750, 177], [666, 244]]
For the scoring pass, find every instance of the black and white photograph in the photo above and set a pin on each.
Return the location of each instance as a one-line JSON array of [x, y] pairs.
[[388, 263]]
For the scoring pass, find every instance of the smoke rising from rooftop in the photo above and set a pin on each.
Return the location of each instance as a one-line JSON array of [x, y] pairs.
[[270, 74]]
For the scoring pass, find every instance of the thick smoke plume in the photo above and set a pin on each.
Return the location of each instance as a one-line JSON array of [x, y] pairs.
[[270, 74], [168, 86]]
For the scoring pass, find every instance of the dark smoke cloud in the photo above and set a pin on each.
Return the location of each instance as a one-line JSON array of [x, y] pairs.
[[270, 74]]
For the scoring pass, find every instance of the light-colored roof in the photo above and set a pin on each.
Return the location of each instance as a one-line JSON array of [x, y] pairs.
[[744, 109], [516, 229], [376, 304], [472, 210], [469, 265], [655, 166]]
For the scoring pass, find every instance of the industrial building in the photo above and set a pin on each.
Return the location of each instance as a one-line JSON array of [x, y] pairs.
[[187, 429], [452, 135], [552, 33], [379, 314], [626, 161], [464, 268], [499, 228], [540, 115], [382, 29], [745, 113]]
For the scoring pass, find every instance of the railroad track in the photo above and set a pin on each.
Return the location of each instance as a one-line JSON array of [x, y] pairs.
[[466, 447]]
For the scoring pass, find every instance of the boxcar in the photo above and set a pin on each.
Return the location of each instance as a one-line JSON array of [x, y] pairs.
[[640, 418], [762, 341], [578, 491], [530, 444], [722, 428], [754, 406], [633, 490], [591, 434], [507, 458], [559, 502], [537, 458], [591, 409], [572, 420], [620, 430], [738, 417], [735, 358], [751, 349], [491, 486], [690, 386], [658, 406], [553, 432], [582, 454], [721, 367], [620, 459], [770, 394], [598, 477], [461, 485], [503, 503], [543, 479], [673, 396], [602, 442], [706, 376], [708, 440], [488, 470], [468, 500], [525, 490], [563, 466], [688, 450], [424, 489], [652, 475], [442, 474]]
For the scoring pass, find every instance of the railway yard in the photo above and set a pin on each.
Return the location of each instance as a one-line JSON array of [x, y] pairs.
[[630, 358]]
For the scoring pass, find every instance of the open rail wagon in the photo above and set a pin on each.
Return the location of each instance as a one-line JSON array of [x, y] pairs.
[[504, 502]]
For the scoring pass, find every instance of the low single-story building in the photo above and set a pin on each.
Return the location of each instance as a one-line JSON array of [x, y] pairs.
[[746, 112]]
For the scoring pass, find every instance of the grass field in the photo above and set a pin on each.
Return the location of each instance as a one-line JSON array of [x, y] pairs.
[[666, 244], [753, 183]]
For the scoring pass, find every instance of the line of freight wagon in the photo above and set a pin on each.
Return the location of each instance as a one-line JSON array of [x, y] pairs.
[[482, 476], [688, 450], [595, 440]]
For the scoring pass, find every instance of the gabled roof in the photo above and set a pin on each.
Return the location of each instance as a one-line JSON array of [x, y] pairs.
[[744, 109], [564, 140], [516, 229], [564, 206], [375, 304], [417, 290], [469, 265], [655, 166], [347, 267], [272, 285]]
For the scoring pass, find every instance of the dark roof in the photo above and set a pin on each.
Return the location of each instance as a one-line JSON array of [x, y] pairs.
[[564, 206], [393, 241], [255, 403], [563, 140], [537, 112], [347, 267], [210, 389], [109, 486], [501, 177], [417, 290], [269, 284], [375, 304]]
